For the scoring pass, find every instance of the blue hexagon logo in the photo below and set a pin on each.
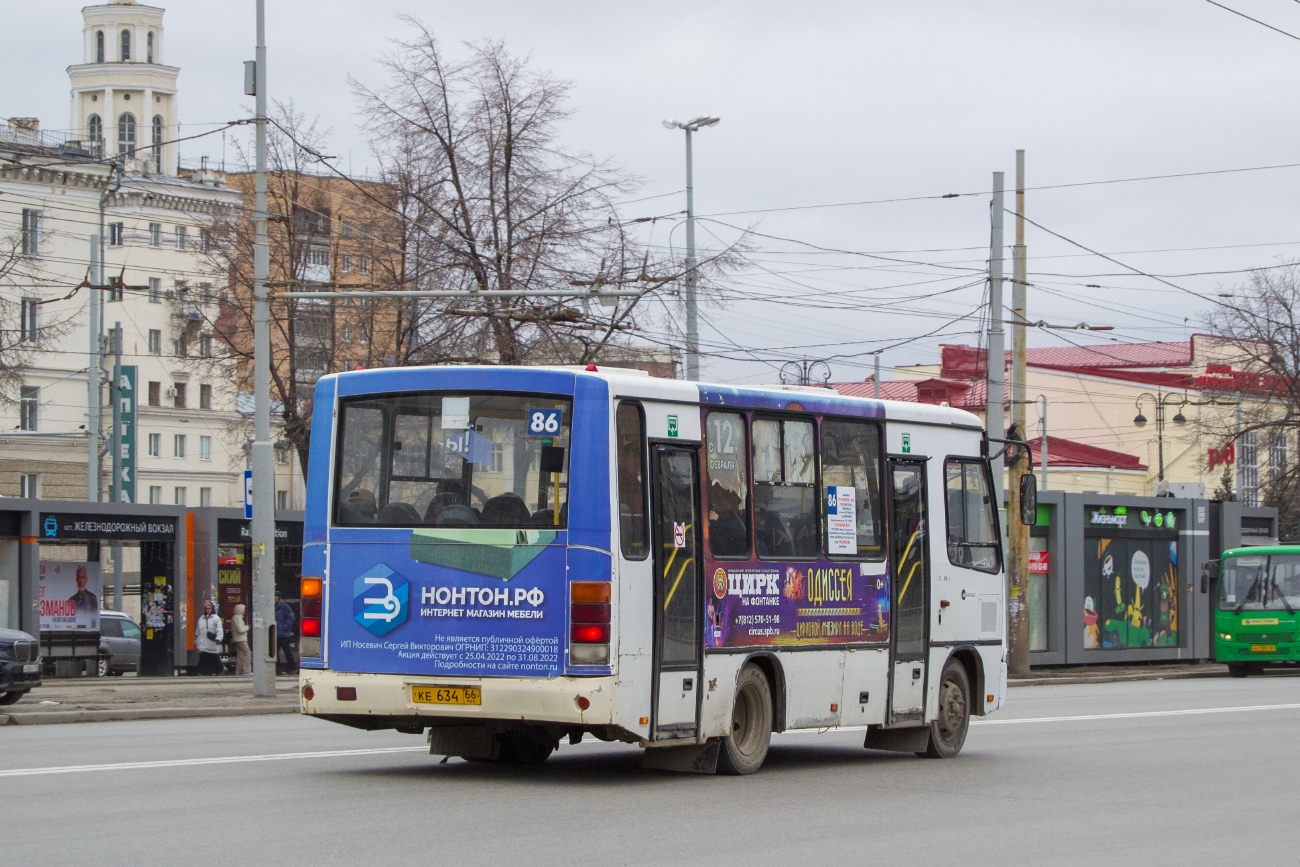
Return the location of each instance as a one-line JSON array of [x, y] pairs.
[[381, 600]]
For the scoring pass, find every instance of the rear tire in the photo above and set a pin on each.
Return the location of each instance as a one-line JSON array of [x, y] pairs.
[[743, 751], [948, 730], [11, 697], [524, 748], [1238, 669]]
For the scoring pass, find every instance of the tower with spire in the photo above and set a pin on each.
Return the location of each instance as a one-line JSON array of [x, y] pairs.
[[123, 95]]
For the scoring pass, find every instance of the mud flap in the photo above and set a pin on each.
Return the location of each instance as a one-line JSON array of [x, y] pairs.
[[914, 739], [690, 759], [467, 742]]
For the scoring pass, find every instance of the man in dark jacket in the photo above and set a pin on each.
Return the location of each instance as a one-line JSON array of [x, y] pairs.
[[284, 638]]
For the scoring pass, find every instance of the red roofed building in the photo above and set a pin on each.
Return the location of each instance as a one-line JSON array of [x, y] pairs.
[[1094, 393]]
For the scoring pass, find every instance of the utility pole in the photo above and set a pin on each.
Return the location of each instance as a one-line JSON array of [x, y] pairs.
[[692, 277], [263, 523], [875, 377], [115, 489], [1017, 531], [1042, 445], [995, 374], [94, 481]]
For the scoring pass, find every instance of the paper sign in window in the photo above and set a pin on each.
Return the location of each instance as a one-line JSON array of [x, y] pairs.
[[841, 519]]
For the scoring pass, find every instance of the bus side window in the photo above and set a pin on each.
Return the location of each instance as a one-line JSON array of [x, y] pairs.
[[728, 485], [631, 482], [851, 458], [972, 523], [785, 489]]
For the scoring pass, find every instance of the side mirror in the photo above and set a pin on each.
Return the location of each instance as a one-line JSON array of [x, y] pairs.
[[1028, 499], [1209, 572]]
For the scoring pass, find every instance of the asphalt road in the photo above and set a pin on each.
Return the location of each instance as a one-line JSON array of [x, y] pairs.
[[1166, 772]]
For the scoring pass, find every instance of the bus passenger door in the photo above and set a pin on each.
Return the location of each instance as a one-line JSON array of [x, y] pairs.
[[678, 634], [909, 554]]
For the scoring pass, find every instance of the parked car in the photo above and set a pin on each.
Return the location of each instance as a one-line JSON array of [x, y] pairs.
[[119, 643], [20, 665]]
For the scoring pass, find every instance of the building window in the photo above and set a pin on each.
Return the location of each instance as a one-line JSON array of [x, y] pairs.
[[126, 134], [205, 351], [29, 331], [29, 407], [155, 445], [95, 128], [282, 500], [157, 142], [179, 393], [498, 457], [205, 496], [205, 240], [1279, 457], [31, 485], [180, 237], [155, 495], [282, 454], [347, 264], [318, 256], [205, 448], [155, 237], [345, 228], [178, 445], [155, 289], [365, 265], [155, 394], [178, 495], [116, 291], [31, 240], [155, 341], [1248, 469], [181, 346], [205, 392], [126, 46], [148, 47], [116, 234], [99, 46]]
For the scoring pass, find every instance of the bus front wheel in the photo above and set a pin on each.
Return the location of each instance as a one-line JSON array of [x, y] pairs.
[[948, 730], [744, 750], [1241, 669]]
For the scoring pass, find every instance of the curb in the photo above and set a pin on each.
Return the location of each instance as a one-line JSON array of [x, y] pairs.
[[1113, 678], [127, 714]]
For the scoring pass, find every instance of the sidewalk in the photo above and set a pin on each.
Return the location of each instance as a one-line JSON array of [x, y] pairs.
[[99, 699]]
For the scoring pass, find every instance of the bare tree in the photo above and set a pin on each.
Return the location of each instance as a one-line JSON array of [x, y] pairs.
[[1262, 384], [491, 201], [23, 330]]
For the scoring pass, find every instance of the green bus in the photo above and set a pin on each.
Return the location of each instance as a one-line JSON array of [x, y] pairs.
[[1255, 620]]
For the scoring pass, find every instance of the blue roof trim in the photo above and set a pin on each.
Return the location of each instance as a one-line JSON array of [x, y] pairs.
[[746, 398], [395, 379]]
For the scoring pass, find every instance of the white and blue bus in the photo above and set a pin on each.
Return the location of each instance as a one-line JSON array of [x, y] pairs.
[[503, 558]]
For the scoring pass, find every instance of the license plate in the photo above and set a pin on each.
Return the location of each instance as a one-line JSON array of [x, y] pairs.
[[31, 668], [446, 695], [1263, 648]]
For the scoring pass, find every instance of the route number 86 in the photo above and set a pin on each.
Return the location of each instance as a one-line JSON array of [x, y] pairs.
[[543, 422]]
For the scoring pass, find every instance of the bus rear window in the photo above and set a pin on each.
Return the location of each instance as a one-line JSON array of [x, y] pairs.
[[453, 460]]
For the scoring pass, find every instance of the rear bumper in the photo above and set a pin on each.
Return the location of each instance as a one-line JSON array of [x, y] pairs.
[[379, 696]]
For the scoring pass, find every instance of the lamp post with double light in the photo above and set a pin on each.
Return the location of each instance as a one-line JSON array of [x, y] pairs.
[[692, 316], [1161, 400]]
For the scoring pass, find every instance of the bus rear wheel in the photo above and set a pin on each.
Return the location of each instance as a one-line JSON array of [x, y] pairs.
[[948, 730], [743, 751]]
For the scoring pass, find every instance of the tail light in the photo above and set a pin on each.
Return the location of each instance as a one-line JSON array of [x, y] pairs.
[[589, 622], [312, 589]]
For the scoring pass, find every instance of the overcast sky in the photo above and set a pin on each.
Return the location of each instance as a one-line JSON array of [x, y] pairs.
[[825, 103]]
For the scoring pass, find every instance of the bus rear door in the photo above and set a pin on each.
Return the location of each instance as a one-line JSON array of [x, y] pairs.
[[677, 627], [909, 553]]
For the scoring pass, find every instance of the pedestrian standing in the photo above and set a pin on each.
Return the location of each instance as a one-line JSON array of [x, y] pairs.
[[207, 639], [243, 656], [284, 639]]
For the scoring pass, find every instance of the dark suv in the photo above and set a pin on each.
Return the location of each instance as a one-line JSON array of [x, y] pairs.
[[20, 664]]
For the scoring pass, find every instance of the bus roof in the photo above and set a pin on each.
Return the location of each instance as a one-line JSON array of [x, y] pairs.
[[1262, 549], [625, 382]]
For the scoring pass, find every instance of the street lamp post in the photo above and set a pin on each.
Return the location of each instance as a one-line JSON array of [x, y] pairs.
[[1161, 400], [692, 317]]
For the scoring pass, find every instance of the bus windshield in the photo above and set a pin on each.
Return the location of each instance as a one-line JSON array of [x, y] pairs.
[[1260, 582], [453, 460]]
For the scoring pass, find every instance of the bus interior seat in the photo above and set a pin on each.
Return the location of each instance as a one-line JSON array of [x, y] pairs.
[[506, 510], [544, 518], [456, 515], [398, 513], [350, 514], [728, 535], [440, 501]]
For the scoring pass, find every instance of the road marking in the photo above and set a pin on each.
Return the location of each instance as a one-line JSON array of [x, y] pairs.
[[1135, 714], [215, 760]]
